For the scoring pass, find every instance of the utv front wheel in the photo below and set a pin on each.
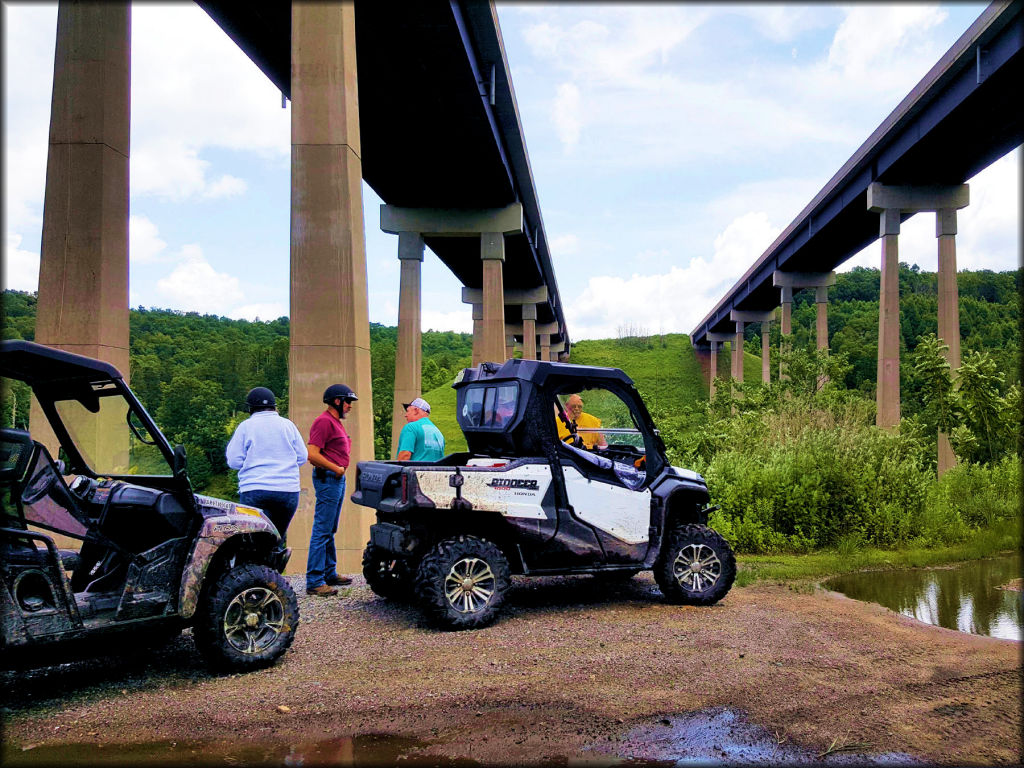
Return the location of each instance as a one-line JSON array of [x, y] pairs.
[[389, 577], [248, 620], [696, 566], [461, 583]]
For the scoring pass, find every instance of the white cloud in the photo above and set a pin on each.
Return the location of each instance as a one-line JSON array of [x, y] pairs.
[[674, 301], [460, 321], [21, 267], [565, 113], [195, 286], [144, 243], [225, 186], [564, 245], [200, 94], [874, 39]]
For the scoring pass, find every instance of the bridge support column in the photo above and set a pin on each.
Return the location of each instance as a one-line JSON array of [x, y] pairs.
[[949, 312], [489, 225], [545, 346], [529, 331], [409, 349], [716, 339], [492, 254], [330, 332], [527, 299], [890, 202], [510, 346], [764, 317], [737, 353], [792, 281], [83, 267], [785, 330], [478, 333], [714, 369]]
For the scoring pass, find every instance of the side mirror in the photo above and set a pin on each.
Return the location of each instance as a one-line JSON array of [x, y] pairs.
[[179, 460]]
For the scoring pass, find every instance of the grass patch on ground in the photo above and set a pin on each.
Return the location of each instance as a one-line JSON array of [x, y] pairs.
[[1004, 536]]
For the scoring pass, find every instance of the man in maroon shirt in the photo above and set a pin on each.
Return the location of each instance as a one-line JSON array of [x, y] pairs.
[[329, 449]]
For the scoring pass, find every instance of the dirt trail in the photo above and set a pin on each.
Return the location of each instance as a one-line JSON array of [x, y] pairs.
[[574, 663]]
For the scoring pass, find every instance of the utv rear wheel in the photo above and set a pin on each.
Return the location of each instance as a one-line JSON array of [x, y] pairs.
[[461, 583], [386, 575], [248, 620], [696, 566]]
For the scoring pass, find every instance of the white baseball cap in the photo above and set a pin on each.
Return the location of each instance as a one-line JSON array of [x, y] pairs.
[[420, 403]]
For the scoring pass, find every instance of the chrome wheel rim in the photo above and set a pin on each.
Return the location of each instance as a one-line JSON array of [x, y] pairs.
[[254, 620], [469, 585], [697, 568]]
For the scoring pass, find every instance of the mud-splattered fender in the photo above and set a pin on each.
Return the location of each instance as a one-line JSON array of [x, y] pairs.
[[215, 531]]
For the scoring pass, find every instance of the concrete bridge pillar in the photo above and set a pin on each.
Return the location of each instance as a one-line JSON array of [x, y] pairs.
[[527, 300], [492, 342], [793, 281], [716, 339], [891, 202], [409, 348], [529, 331], [765, 319], [83, 266], [510, 346], [737, 353], [478, 333], [490, 225], [949, 312], [785, 329], [545, 346], [330, 331]]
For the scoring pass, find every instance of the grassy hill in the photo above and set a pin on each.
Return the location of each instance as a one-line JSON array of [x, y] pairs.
[[664, 368]]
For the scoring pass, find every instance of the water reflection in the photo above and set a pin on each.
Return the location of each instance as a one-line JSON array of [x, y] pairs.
[[966, 598]]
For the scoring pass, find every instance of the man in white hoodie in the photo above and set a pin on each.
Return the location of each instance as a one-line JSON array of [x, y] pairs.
[[267, 450]]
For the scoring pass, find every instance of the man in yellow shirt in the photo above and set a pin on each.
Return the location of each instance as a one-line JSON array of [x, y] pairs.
[[574, 410]]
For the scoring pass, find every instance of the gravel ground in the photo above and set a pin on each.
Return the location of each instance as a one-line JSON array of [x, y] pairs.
[[572, 671]]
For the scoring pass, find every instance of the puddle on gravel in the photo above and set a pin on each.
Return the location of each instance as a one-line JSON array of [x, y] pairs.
[[722, 736], [368, 750], [967, 598]]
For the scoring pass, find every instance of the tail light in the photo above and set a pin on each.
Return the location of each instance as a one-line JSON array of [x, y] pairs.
[[405, 488]]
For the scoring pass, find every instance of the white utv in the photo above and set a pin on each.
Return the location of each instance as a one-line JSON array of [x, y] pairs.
[[536, 495]]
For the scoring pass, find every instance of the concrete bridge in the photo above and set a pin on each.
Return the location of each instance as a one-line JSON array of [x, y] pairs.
[[422, 109], [963, 115]]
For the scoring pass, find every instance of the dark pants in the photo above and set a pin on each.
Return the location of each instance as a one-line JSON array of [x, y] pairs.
[[279, 506], [322, 562]]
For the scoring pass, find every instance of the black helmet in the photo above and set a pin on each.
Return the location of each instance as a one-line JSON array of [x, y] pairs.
[[260, 397], [339, 390]]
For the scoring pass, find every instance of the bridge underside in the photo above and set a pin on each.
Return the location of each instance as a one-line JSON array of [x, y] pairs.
[[429, 136]]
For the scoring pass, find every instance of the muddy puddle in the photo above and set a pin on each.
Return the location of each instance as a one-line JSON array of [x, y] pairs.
[[363, 750], [711, 737], [722, 736], [967, 598]]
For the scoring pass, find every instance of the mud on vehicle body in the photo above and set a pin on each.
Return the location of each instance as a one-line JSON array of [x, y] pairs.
[[150, 557], [523, 501]]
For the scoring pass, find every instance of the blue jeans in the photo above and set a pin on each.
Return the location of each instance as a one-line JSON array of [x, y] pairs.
[[323, 561], [279, 506]]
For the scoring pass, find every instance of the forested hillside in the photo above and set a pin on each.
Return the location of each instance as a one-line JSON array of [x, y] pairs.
[[192, 371]]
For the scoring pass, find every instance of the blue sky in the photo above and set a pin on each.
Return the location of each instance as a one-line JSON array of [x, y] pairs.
[[670, 145]]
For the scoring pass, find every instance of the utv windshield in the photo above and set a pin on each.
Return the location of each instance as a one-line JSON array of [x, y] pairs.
[[113, 441]]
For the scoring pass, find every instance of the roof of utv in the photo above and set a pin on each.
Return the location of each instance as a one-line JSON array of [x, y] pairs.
[[538, 371], [36, 364]]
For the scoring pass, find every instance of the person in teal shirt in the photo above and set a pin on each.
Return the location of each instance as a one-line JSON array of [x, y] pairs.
[[419, 440]]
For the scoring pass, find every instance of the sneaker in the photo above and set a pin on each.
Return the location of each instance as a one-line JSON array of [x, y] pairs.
[[324, 590], [337, 580]]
